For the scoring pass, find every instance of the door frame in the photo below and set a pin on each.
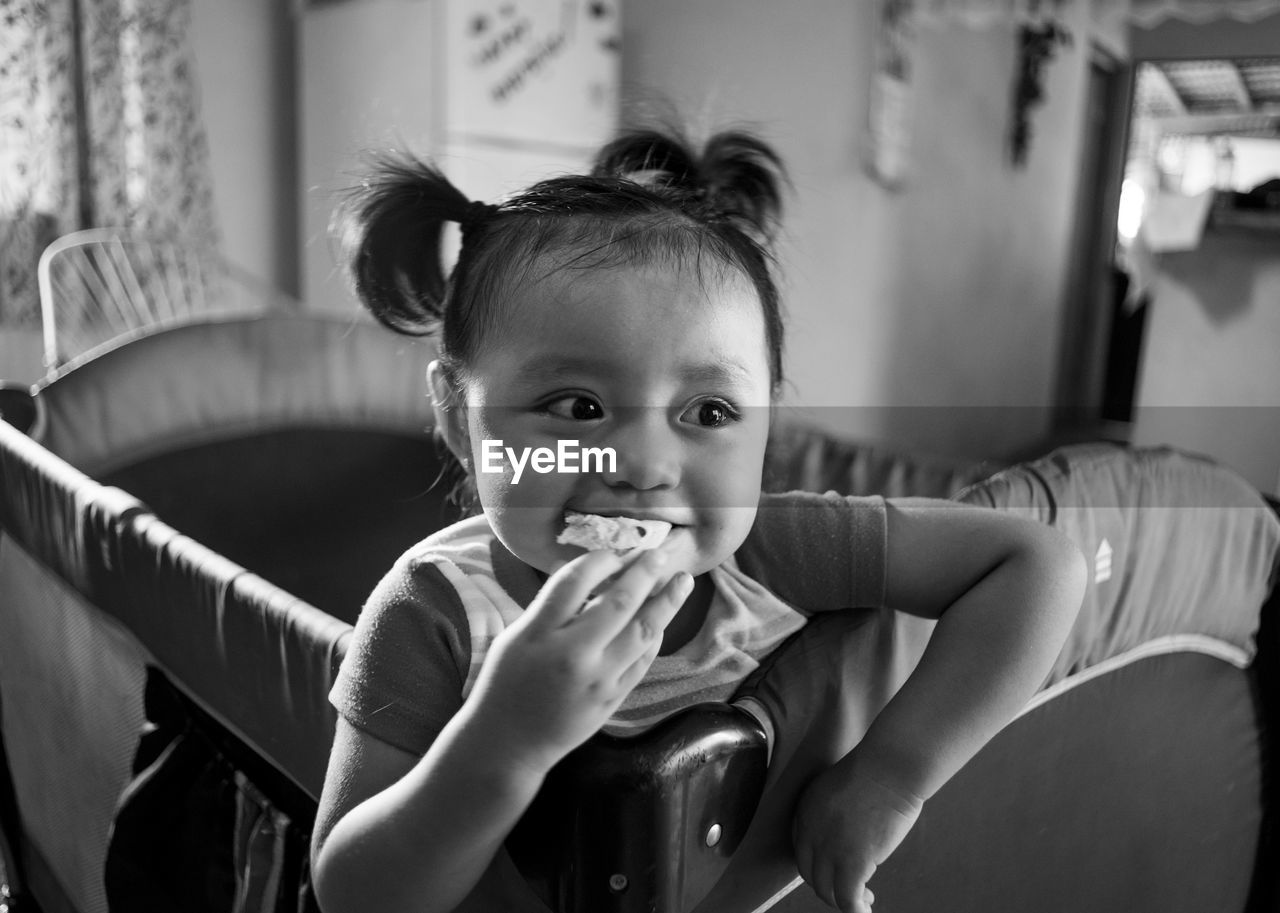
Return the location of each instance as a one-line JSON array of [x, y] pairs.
[[1090, 285]]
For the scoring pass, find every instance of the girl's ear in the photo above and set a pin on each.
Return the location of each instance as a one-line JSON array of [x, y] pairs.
[[450, 411]]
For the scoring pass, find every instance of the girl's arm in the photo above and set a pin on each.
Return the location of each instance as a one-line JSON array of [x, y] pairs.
[[397, 833], [1005, 591]]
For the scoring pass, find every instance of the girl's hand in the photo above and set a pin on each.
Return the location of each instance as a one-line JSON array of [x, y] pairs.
[[847, 822], [555, 675]]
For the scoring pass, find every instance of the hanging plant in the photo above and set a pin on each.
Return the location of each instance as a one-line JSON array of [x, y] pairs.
[[1037, 46]]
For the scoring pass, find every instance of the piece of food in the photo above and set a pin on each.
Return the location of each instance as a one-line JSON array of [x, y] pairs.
[[622, 534]]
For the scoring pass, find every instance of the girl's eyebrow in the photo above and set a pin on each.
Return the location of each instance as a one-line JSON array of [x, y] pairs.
[[720, 371], [544, 370], [714, 372]]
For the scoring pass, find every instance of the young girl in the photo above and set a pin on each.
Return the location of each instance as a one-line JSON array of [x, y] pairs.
[[634, 309]]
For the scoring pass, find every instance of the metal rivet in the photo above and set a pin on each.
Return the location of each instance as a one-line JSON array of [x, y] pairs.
[[618, 882], [713, 835]]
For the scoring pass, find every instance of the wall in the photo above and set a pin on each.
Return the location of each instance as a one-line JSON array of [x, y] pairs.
[[929, 316], [1210, 377], [984, 249], [372, 76], [366, 80], [244, 52]]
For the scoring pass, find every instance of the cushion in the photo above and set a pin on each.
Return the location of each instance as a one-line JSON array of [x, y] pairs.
[[1177, 544]]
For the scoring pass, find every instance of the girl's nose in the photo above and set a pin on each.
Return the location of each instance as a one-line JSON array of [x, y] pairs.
[[648, 452]]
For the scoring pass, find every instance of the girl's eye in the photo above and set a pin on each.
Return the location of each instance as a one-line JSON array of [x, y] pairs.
[[578, 408], [712, 413]]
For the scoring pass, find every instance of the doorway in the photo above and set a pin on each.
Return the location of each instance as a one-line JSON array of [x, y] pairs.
[[1171, 148], [1201, 202]]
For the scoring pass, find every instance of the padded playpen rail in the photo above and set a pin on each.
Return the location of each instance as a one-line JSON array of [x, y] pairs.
[[97, 588]]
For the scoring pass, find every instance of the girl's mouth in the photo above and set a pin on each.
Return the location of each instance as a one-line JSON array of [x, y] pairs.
[[619, 532], [636, 514]]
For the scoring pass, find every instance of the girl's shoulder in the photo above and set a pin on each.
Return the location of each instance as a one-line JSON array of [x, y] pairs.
[[463, 540]]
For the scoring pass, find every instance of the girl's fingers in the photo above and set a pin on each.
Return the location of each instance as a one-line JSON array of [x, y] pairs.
[[815, 874], [846, 895], [822, 883], [618, 602], [569, 587], [633, 673], [646, 625], [851, 889]]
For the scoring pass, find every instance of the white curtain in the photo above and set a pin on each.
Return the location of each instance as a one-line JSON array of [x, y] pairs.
[[99, 126]]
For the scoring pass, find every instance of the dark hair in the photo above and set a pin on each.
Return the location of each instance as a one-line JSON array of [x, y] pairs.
[[649, 198]]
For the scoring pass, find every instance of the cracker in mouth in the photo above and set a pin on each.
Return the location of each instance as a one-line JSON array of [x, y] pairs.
[[621, 534]]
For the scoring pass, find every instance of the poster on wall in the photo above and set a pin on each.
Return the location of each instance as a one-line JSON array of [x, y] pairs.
[[531, 73]]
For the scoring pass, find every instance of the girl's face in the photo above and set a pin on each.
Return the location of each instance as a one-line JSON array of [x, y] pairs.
[[670, 371]]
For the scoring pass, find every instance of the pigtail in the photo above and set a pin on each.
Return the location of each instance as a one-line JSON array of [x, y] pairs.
[[390, 228], [735, 176], [744, 178], [649, 157]]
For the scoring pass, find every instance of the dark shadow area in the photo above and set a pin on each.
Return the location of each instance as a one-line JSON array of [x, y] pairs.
[[322, 513]]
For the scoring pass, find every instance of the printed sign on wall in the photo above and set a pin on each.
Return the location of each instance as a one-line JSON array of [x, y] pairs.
[[531, 72]]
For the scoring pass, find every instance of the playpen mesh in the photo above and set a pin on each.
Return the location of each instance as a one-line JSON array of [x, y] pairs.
[[71, 682]]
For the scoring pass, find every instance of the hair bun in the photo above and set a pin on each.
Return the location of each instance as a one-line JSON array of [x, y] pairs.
[[736, 174]]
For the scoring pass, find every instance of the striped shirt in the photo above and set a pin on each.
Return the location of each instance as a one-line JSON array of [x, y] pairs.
[[744, 623], [425, 632]]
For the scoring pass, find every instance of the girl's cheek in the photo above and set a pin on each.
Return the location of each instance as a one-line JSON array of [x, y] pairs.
[[719, 534]]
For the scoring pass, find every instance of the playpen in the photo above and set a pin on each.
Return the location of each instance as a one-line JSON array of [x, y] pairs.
[[190, 519]]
